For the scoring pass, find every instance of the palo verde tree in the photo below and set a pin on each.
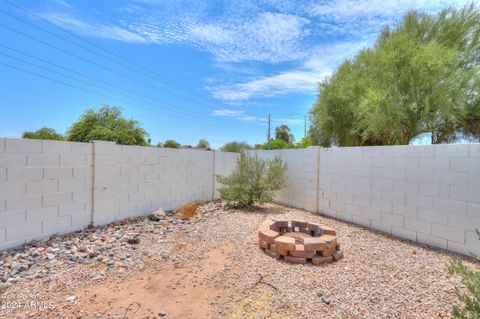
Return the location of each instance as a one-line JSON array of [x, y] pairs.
[[422, 76], [44, 133], [107, 124]]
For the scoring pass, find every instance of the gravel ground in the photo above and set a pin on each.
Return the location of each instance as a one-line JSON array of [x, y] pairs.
[[213, 263]]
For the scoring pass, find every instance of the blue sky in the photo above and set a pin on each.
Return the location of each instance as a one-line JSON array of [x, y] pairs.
[[201, 69]]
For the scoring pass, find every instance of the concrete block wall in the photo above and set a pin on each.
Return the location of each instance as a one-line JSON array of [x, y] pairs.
[[427, 193], [224, 164], [134, 181], [302, 176], [45, 188], [49, 187]]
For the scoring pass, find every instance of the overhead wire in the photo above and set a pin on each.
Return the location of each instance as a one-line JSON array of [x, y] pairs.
[[175, 114], [106, 89]]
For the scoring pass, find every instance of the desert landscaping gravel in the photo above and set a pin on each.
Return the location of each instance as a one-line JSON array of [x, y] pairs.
[[210, 266]]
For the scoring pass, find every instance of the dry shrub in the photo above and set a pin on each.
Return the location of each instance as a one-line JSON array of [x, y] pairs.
[[188, 210]]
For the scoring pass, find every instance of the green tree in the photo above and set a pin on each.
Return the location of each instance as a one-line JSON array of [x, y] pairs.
[[470, 297], [422, 76], [278, 144], [171, 144], [253, 181], [284, 133], [107, 124], [44, 133], [203, 143], [235, 147], [305, 142]]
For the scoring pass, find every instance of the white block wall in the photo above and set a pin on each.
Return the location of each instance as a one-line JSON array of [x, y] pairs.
[[47, 187], [429, 194], [134, 180], [302, 176], [224, 164]]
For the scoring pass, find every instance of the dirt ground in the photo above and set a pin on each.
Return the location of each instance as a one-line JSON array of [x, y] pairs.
[[215, 269]]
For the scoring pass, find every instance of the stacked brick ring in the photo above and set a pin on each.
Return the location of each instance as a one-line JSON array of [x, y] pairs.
[[299, 242]]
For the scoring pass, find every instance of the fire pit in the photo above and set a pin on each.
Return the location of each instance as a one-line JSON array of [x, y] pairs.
[[299, 242]]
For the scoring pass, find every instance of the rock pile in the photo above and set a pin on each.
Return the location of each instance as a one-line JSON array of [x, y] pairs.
[[112, 245]]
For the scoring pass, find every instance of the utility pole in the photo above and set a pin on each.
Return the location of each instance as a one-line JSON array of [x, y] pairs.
[[268, 133], [304, 124], [305, 130]]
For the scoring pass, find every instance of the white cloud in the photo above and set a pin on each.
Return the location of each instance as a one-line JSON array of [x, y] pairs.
[[283, 83], [364, 17], [264, 37], [251, 118], [239, 114], [62, 3], [112, 32], [226, 112], [301, 80], [288, 121], [307, 40], [343, 10]]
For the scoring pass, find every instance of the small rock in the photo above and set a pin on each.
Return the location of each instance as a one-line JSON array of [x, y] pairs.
[[165, 255], [133, 241], [71, 299], [162, 313], [50, 256], [326, 300], [157, 215]]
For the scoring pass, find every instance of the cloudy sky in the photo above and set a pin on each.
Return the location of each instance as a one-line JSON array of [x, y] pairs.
[[185, 69]]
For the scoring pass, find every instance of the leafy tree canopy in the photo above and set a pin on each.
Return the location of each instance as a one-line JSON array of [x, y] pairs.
[[203, 143], [284, 133], [107, 124], [278, 144], [236, 147], [305, 142], [421, 76], [171, 144], [44, 133]]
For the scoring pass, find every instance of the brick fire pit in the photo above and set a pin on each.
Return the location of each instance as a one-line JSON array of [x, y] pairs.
[[299, 242]]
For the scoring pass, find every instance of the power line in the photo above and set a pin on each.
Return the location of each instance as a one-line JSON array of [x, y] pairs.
[[96, 86], [137, 66], [89, 91], [50, 45], [44, 97], [88, 61], [84, 59]]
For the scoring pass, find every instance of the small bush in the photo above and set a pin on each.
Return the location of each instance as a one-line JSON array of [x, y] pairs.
[[253, 181], [471, 298]]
